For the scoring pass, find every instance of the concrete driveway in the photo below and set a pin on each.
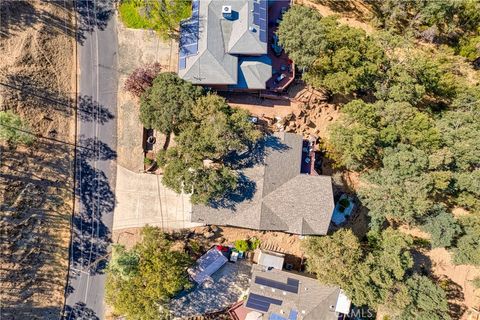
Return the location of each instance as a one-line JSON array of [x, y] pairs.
[[142, 199]]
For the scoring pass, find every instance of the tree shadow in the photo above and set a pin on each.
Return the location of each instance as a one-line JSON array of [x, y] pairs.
[[90, 15], [422, 264], [91, 237], [79, 311], [455, 297], [94, 149], [15, 16], [23, 88], [347, 8], [246, 164], [245, 190], [35, 216], [90, 111]]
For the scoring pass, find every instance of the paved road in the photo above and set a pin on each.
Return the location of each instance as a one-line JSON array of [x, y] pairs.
[[96, 159]]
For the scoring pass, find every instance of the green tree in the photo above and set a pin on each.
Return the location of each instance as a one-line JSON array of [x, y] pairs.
[[467, 249], [380, 265], [430, 20], [412, 75], [168, 104], [196, 164], [402, 123], [124, 263], [442, 227], [383, 270], [400, 190], [13, 129], [365, 129], [353, 139], [163, 16], [301, 35], [141, 281], [332, 258], [428, 300], [337, 57]]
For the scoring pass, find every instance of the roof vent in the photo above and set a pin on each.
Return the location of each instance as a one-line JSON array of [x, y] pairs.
[[227, 9]]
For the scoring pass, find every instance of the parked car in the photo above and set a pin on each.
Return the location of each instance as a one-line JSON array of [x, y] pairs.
[[277, 49]]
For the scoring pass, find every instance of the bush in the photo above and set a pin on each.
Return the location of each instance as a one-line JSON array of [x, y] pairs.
[[162, 16], [13, 129], [254, 243], [131, 17], [147, 161], [142, 78], [476, 282], [242, 245]]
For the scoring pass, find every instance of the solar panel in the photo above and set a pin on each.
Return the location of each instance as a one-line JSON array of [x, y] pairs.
[[260, 12], [188, 43], [290, 286], [261, 303], [263, 35]]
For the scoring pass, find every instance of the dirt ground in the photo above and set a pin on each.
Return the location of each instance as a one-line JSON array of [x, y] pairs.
[[37, 81], [288, 244], [137, 48], [354, 13]]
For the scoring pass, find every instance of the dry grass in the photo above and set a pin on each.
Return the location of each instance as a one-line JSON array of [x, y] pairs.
[[36, 182]]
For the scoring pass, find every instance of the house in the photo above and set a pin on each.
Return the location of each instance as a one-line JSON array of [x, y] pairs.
[[282, 295], [224, 44], [275, 195]]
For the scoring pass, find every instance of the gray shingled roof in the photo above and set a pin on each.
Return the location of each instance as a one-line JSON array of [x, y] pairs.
[[313, 301], [283, 199], [218, 40]]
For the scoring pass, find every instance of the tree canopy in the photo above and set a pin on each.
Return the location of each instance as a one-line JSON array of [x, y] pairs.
[[428, 301], [140, 281], [163, 16], [336, 57], [196, 164], [168, 103], [371, 274], [442, 226]]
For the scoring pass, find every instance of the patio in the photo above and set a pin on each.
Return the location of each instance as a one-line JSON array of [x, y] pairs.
[[283, 69]]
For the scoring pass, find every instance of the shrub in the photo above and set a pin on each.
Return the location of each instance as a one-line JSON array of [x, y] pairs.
[[254, 243], [142, 78], [476, 282], [147, 161], [131, 17], [242, 245], [13, 129], [162, 16]]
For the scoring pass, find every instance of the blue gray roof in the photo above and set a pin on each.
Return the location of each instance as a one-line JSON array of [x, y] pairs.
[[210, 43]]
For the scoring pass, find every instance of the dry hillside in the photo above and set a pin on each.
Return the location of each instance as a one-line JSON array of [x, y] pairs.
[[37, 81]]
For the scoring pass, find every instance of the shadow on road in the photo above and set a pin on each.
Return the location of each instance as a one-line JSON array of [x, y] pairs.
[[79, 311], [91, 237]]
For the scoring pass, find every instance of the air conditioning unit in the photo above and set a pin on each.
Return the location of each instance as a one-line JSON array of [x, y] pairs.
[[227, 9]]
